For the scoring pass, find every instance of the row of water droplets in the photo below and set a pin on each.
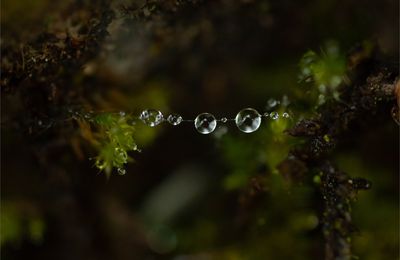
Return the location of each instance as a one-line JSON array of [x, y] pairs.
[[247, 120]]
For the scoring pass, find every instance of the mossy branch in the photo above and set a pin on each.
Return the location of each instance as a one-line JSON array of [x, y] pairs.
[[374, 89]]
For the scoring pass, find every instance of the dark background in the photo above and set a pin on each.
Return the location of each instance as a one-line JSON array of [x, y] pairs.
[[186, 195]]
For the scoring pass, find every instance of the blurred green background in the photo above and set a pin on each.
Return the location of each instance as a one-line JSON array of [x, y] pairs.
[[188, 196]]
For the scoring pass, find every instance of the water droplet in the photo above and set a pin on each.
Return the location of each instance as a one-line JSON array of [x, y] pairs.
[[151, 117], [248, 120], [122, 113], [174, 119], [40, 122], [120, 155], [121, 171], [205, 123], [100, 164], [119, 151], [266, 114], [224, 120], [274, 115], [272, 103], [285, 115]]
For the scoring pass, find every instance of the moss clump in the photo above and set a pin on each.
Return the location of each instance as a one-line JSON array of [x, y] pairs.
[[112, 136], [326, 70]]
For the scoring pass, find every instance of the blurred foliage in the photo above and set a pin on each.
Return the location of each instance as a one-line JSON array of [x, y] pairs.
[[247, 156], [18, 222], [326, 70], [368, 223]]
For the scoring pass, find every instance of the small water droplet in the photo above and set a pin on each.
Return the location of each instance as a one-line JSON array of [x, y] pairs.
[[174, 119], [248, 120], [151, 117], [121, 171], [224, 120], [272, 103], [274, 115], [100, 164], [205, 123], [122, 113], [266, 114], [40, 122], [285, 115], [120, 155]]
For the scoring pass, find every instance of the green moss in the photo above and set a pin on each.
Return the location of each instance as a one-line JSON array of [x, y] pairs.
[[325, 70], [112, 136]]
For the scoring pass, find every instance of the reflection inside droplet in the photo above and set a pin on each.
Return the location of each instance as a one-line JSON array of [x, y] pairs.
[[151, 117], [205, 123], [248, 120], [174, 119], [274, 115]]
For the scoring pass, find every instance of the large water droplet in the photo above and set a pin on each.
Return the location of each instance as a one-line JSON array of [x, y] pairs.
[[151, 117], [174, 119], [205, 123], [274, 115], [248, 120]]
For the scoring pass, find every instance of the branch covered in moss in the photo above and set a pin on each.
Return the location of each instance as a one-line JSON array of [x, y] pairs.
[[373, 91]]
